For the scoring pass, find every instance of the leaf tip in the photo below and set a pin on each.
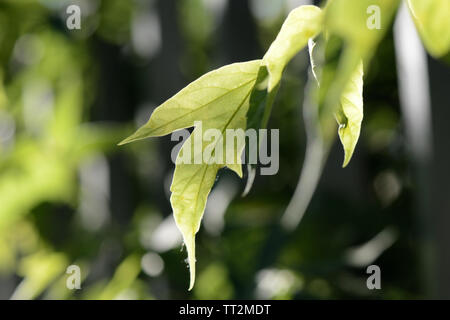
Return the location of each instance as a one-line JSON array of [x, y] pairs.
[[346, 161], [189, 241], [237, 168], [124, 141], [348, 151], [192, 281], [129, 139]]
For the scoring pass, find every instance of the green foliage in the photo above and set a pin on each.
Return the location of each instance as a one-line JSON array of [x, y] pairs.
[[39, 270], [213, 283], [126, 273], [352, 21], [433, 24], [58, 144], [227, 97], [220, 99], [350, 114], [301, 25], [341, 48], [44, 140], [66, 199], [358, 41]]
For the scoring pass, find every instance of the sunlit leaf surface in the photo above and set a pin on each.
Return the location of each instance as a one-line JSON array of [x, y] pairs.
[[220, 99], [433, 22], [350, 114], [302, 23]]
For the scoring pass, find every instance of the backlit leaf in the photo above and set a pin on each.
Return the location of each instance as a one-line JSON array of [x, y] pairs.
[[350, 114], [302, 23], [218, 100], [362, 24], [370, 19], [432, 20]]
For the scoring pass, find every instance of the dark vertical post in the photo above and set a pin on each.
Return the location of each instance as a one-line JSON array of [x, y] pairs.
[[440, 173]]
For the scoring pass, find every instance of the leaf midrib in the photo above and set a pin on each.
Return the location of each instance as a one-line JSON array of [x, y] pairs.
[[203, 106], [206, 166]]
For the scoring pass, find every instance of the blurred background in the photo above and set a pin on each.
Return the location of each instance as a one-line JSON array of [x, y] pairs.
[[70, 195]]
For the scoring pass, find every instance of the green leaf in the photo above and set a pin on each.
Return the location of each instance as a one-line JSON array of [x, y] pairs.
[[261, 100], [38, 271], [370, 19], [319, 123], [433, 23], [124, 276], [350, 114], [220, 99], [362, 24], [302, 24]]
